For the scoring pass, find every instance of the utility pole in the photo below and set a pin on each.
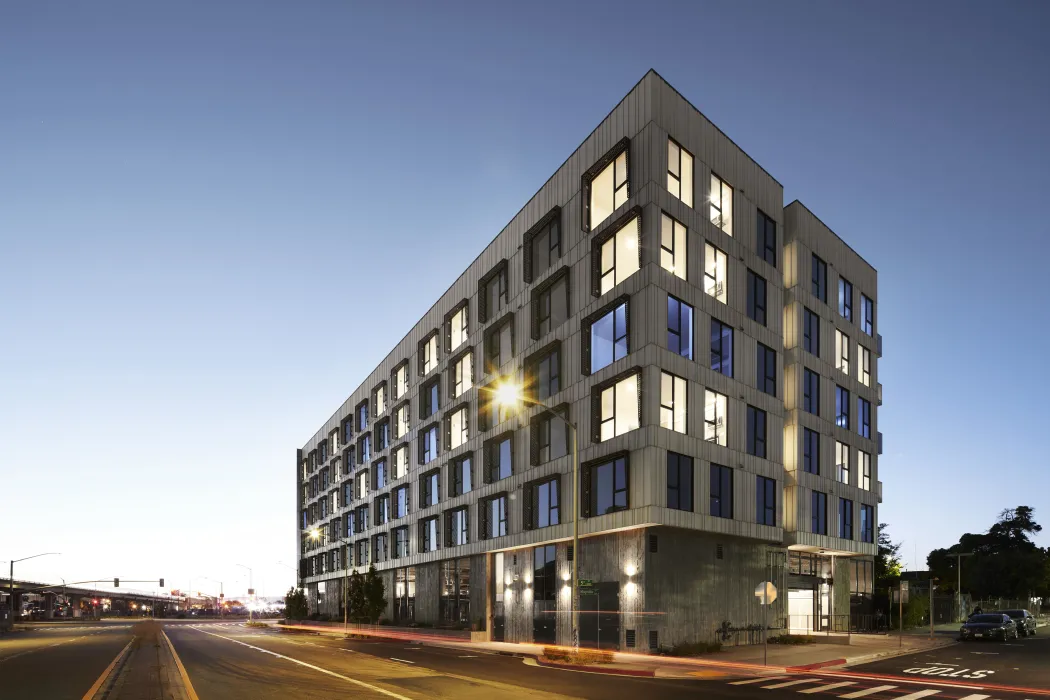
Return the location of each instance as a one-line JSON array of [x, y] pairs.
[[958, 588]]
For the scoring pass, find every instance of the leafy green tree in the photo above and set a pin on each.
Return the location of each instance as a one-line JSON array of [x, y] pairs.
[[295, 607], [887, 563], [375, 596], [355, 598]]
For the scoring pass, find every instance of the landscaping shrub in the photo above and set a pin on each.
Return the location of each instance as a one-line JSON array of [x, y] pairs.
[[691, 649], [792, 639], [585, 656]]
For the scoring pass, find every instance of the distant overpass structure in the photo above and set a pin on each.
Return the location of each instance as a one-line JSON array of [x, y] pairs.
[[85, 598]]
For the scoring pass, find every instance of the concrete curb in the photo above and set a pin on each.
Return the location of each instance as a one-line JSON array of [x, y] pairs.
[[639, 673], [894, 652], [814, 667]]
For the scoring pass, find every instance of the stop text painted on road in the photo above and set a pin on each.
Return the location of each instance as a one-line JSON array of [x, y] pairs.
[[949, 672]]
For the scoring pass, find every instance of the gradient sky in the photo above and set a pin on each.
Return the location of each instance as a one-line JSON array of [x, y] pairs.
[[203, 207]]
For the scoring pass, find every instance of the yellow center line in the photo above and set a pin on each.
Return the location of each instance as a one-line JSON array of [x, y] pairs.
[[191, 694], [105, 674]]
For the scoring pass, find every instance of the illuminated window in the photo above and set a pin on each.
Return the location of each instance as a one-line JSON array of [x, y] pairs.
[[715, 405], [673, 403], [458, 328], [362, 485], [379, 398], [619, 408], [842, 407], [428, 354], [458, 428], [400, 461], [608, 190], [679, 327], [721, 204], [619, 255], [841, 351], [401, 380], [715, 273], [401, 420], [864, 365], [606, 341], [680, 173], [462, 374], [842, 467], [672, 246]]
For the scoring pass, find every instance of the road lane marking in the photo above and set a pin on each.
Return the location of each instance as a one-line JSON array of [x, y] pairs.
[[105, 674], [975, 697], [760, 680], [394, 658], [468, 656], [191, 694], [829, 686], [789, 683], [868, 691], [325, 671], [30, 651], [918, 694]]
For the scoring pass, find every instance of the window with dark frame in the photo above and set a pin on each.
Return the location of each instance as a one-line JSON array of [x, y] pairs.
[[430, 398], [766, 504], [401, 501], [550, 304], [606, 185], [721, 491], [605, 336], [811, 332], [543, 503], [679, 327], [867, 315], [616, 406], [492, 292], [766, 243], [428, 353], [810, 451], [819, 279], [457, 326], [756, 297], [616, 253], [494, 512], [679, 172], [845, 299], [362, 415], [863, 417], [810, 392], [429, 537], [756, 432], [498, 458], [605, 486], [461, 479], [458, 526], [549, 436], [679, 481], [673, 237], [400, 542], [845, 519], [499, 344], [767, 370], [543, 372], [542, 245], [429, 444], [842, 407], [429, 488], [819, 513], [867, 523], [721, 347], [721, 204]]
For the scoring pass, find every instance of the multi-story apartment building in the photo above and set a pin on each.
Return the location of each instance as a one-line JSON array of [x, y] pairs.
[[658, 296]]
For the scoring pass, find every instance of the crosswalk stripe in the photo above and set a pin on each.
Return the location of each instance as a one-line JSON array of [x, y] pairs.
[[918, 694], [789, 683], [867, 691], [978, 696], [832, 686], [760, 680]]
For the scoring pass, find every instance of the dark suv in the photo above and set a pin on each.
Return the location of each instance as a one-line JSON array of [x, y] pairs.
[[1026, 624]]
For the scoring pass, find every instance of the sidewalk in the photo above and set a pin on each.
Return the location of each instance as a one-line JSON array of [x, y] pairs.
[[741, 660]]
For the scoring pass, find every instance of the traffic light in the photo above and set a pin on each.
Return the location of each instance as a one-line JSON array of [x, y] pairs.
[[116, 583], [162, 583]]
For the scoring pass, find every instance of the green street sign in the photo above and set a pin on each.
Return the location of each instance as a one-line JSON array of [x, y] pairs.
[[585, 583]]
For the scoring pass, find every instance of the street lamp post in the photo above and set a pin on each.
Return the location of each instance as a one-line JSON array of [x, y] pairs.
[[958, 588], [511, 395], [11, 581], [251, 589], [345, 543]]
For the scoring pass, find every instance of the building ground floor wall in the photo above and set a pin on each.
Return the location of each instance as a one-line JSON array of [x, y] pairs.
[[640, 590]]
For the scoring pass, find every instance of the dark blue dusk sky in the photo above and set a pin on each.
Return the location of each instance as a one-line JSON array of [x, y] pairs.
[[202, 205]]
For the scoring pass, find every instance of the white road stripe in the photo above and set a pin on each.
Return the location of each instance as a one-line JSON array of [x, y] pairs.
[[918, 694], [790, 683], [394, 658], [468, 656], [376, 688], [829, 686], [975, 697], [868, 691], [760, 680]]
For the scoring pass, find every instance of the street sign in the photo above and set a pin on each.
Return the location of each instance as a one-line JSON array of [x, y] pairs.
[[766, 593], [251, 591], [585, 583], [116, 583], [904, 592], [162, 583]]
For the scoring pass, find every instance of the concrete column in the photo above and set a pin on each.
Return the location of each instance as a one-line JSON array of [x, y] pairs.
[[75, 605], [49, 606]]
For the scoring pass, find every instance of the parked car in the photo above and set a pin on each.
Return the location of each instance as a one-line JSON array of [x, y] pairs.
[[989, 626], [1024, 620]]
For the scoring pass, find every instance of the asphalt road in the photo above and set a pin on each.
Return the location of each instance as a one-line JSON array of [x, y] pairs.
[[58, 662]]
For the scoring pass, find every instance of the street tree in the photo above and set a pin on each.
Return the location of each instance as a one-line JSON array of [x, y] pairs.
[[295, 607], [375, 595]]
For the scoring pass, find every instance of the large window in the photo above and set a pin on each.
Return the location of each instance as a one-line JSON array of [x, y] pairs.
[[430, 398], [401, 420], [619, 409], [811, 392], [545, 509], [401, 542], [864, 365], [458, 427], [362, 415], [679, 481], [494, 291], [766, 501], [715, 273], [673, 403], [382, 509], [756, 297], [494, 513], [428, 535], [811, 332], [810, 451], [461, 475], [819, 279], [362, 484], [364, 449], [550, 438], [845, 519], [841, 351], [545, 246], [430, 488], [819, 513], [715, 406], [401, 380], [721, 347], [605, 487], [721, 204], [428, 444], [381, 547], [679, 327], [845, 299], [379, 399], [499, 344], [545, 374], [428, 354], [462, 374], [459, 527], [399, 459], [672, 246], [499, 458], [379, 475], [756, 432], [721, 491], [607, 341], [766, 370], [867, 524], [865, 469], [608, 190], [457, 328], [842, 466], [680, 172], [842, 407], [766, 238], [864, 417], [619, 255], [550, 305], [401, 501], [382, 434], [867, 314]]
